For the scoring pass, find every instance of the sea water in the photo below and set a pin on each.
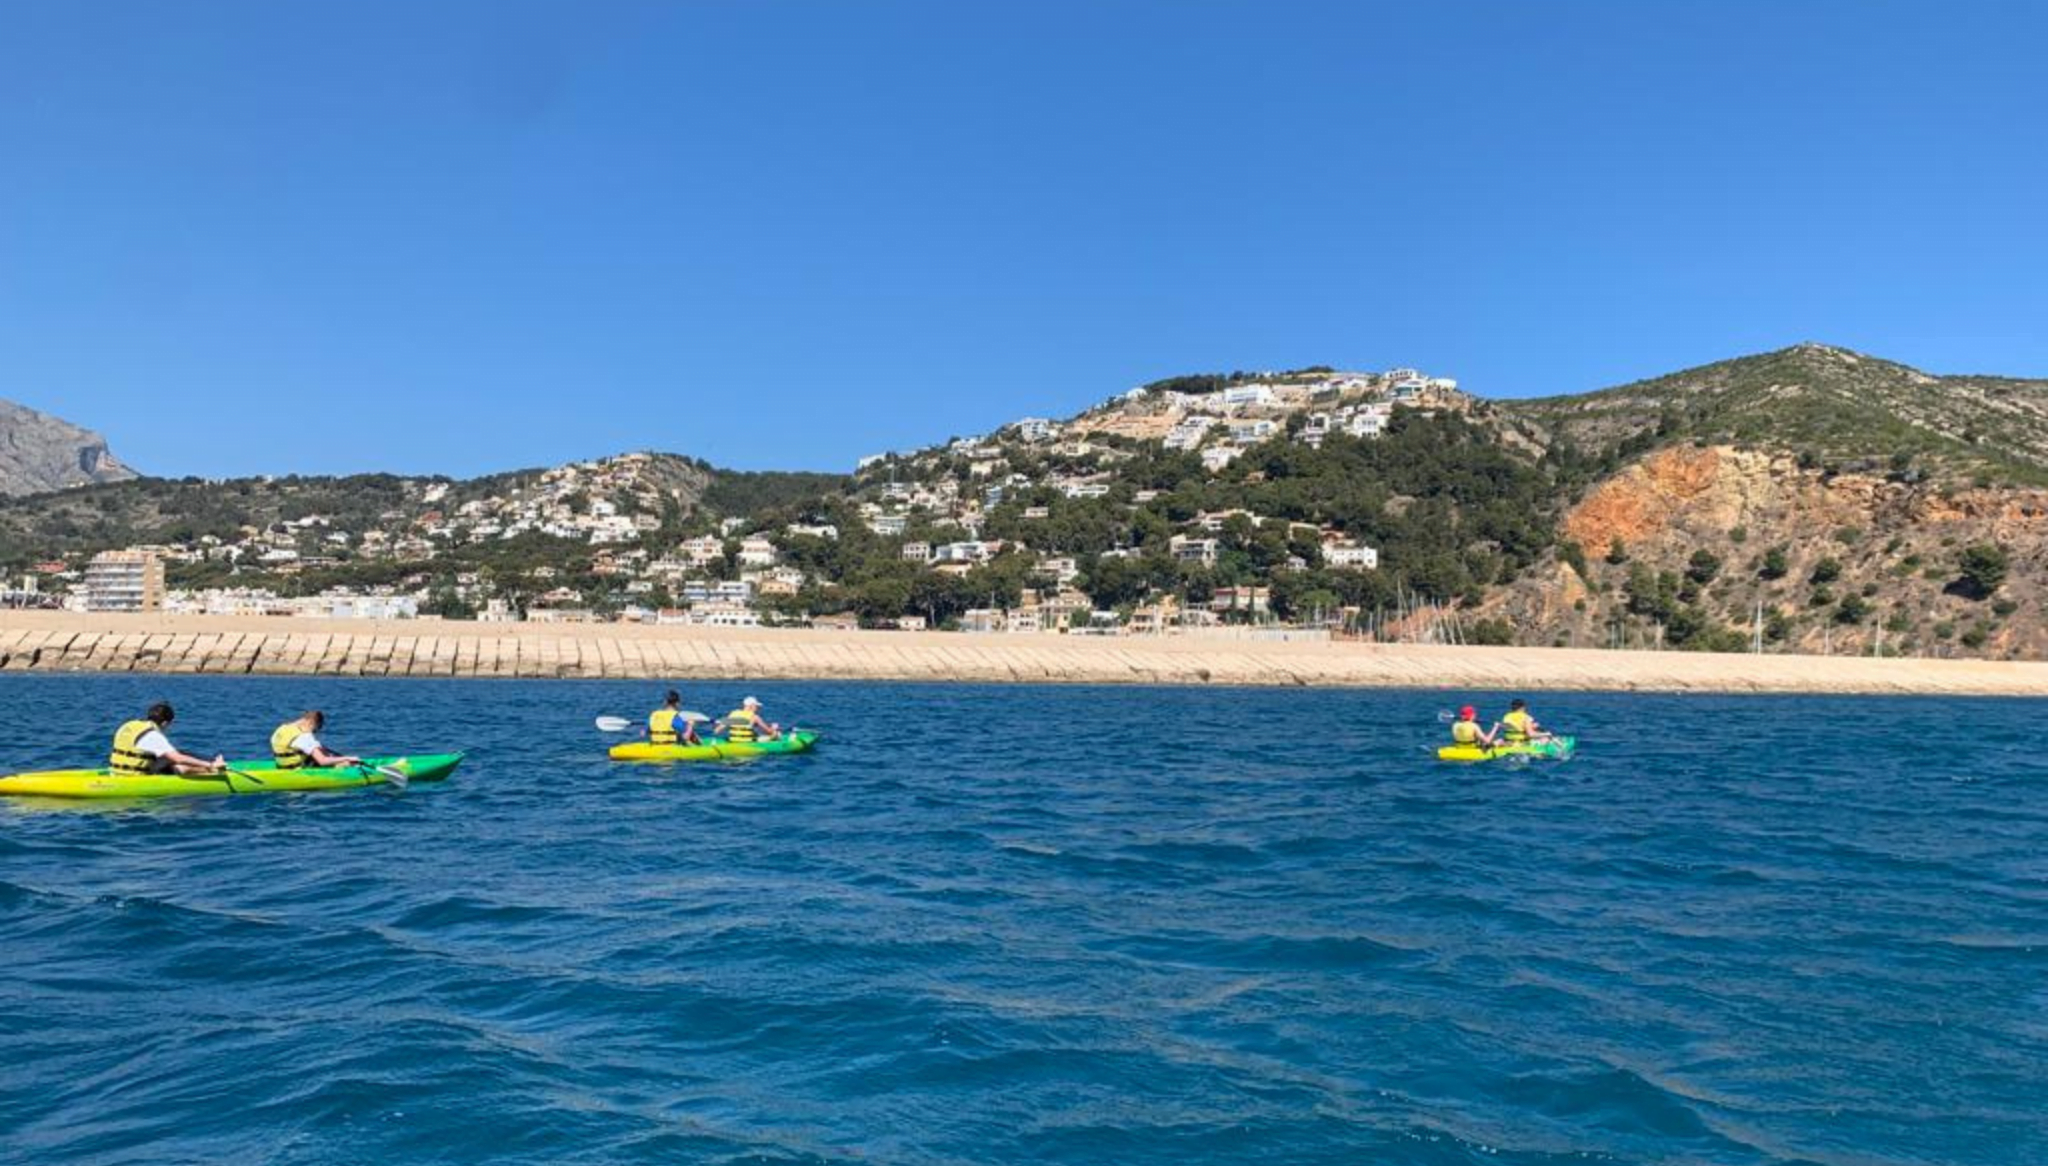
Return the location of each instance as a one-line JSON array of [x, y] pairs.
[[1035, 925]]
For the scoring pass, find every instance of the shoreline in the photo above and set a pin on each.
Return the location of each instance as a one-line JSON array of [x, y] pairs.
[[67, 642]]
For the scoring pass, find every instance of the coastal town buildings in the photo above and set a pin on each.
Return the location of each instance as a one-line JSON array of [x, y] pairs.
[[1039, 502], [130, 580]]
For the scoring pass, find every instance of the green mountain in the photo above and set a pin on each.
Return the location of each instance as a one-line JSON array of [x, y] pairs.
[[1829, 406]]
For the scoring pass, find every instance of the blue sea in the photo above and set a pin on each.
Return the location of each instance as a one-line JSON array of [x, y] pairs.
[[1036, 925]]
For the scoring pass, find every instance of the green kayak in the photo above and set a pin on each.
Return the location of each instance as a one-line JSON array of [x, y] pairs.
[[1554, 749], [243, 777], [716, 748]]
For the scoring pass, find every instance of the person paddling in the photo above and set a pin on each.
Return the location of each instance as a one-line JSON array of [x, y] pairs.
[[661, 723], [140, 747], [1518, 727], [744, 726], [1466, 731], [294, 744]]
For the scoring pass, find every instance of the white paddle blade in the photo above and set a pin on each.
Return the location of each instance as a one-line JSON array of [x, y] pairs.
[[693, 718], [398, 778], [613, 724]]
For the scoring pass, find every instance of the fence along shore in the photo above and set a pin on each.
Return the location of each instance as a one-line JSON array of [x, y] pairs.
[[49, 642]]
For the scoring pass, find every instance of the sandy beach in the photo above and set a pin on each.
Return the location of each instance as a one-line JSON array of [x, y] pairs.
[[33, 641]]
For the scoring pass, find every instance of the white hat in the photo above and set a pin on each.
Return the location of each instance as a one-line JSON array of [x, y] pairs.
[[751, 703]]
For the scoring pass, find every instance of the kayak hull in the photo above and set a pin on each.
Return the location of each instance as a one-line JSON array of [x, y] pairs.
[[715, 749], [249, 777], [1555, 749]]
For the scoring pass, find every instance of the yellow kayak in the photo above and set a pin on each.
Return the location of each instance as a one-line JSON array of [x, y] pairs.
[[715, 748], [1556, 748], [246, 777]]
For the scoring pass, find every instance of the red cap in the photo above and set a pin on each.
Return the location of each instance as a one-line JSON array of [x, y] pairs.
[[1468, 712]]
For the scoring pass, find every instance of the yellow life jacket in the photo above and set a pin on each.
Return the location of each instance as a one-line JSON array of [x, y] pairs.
[[281, 739], [661, 726], [739, 726], [126, 758], [1516, 726], [1465, 733]]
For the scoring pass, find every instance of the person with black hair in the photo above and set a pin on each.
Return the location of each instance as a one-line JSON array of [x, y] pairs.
[[662, 722], [1518, 727], [140, 747]]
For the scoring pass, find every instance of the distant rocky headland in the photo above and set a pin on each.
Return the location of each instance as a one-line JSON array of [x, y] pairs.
[[39, 453]]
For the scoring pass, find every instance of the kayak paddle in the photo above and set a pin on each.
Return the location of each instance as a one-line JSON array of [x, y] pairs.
[[622, 725], [224, 775], [398, 778]]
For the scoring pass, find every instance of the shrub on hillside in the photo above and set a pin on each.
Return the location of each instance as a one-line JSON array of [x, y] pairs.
[[1983, 567], [1492, 632], [1703, 566], [1573, 555]]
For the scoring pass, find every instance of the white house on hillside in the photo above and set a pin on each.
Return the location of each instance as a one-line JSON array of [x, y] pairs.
[[1248, 395], [1193, 550], [1351, 556], [756, 551]]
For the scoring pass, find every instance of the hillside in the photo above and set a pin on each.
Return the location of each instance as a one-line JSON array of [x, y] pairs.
[[518, 532], [1706, 547], [39, 452], [1813, 499], [1823, 405]]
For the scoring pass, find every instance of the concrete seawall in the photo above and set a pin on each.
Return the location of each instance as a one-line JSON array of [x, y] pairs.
[[64, 642]]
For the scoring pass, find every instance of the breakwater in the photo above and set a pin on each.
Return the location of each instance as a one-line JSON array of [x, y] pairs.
[[68, 642]]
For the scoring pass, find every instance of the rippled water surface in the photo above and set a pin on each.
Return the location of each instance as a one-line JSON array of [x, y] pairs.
[[1036, 925]]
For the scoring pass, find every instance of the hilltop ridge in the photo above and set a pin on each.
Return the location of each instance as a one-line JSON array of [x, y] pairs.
[[1817, 401]]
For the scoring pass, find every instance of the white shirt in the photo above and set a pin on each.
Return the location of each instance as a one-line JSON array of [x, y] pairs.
[[155, 744], [306, 743]]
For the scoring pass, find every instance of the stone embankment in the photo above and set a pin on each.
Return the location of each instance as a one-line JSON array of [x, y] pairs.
[[63, 642]]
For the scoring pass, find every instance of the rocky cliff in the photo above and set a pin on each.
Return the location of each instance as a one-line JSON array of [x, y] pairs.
[[1714, 545], [39, 452]]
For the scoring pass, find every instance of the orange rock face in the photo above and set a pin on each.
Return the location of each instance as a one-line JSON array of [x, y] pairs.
[[1637, 504]]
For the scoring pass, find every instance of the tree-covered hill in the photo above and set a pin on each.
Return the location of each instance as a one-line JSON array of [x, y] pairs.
[[174, 511], [1810, 497]]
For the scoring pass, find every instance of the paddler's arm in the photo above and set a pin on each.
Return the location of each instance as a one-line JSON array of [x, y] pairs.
[[326, 758], [184, 762]]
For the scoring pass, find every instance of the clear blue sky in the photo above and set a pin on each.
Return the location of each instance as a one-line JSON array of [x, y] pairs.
[[439, 236]]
